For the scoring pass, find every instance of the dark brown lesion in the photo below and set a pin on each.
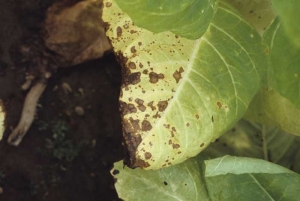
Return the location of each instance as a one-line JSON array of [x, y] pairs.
[[177, 74], [133, 78], [140, 103], [162, 105], [127, 108], [146, 125], [154, 77]]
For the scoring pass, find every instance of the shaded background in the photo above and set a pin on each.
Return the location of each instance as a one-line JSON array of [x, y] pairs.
[[64, 156]]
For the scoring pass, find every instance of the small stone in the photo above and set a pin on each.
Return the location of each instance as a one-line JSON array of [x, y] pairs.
[[81, 91], [66, 87], [79, 111]]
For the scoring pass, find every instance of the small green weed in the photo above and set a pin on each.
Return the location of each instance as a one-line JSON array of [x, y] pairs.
[[61, 146]]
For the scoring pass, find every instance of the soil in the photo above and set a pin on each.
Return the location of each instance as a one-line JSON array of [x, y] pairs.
[[65, 156]]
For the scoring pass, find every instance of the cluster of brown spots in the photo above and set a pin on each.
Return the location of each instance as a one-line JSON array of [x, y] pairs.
[[131, 65], [177, 74], [140, 103], [132, 141], [133, 50], [166, 126], [154, 77], [150, 104], [176, 146], [125, 26], [135, 124], [162, 105], [119, 31], [148, 155], [140, 163], [127, 108], [133, 78], [146, 125], [156, 115], [202, 144], [197, 116], [133, 31], [219, 105]]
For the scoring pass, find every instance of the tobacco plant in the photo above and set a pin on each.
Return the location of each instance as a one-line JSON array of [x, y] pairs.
[[210, 98]]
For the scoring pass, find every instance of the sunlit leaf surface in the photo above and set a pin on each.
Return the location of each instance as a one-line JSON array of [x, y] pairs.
[[186, 18], [178, 95]]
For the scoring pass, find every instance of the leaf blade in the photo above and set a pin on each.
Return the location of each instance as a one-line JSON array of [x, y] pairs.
[[188, 19], [178, 95]]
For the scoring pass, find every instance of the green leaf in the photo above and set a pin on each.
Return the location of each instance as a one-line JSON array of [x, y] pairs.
[[226, 178], [178, 95], [234, 178], [252, 140], [271, 109], [186, 18], [241, 165], [259, 13], [289, 14], [179, 182], [284, 61]]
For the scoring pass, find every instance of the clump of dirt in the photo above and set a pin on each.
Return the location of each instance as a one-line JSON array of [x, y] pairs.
[[76, 136]]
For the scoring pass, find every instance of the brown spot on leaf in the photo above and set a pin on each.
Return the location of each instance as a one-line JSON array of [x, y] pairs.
[[127, 108], [267, 51], [135, 124], [140, 103], [174, 129], [133, 78], [170, 142], [156, 115], [202, 144], [148, 155], [115, 172], [133, 31], [108, 4], [212, 119], [131, 65], [176, 146], [146, 125], [145, 71], [119, 31], [219, 104], [150, 104], [188, 124], [177, 74], [133, 50], [197, 116], [132, 141], [154, 77], [139, 43], [162, 105]]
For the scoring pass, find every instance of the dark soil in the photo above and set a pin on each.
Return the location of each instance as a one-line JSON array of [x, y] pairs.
[[64, 156]]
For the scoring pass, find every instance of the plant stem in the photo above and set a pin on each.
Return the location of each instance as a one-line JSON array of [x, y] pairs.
[[264, 138]]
